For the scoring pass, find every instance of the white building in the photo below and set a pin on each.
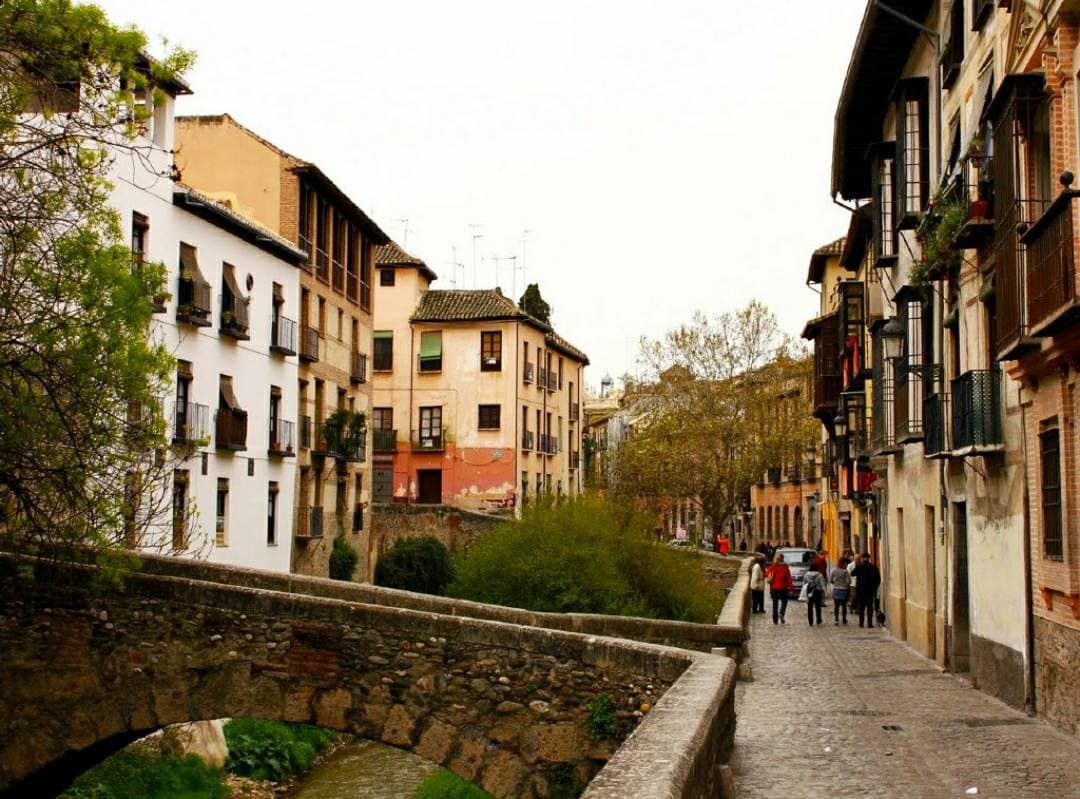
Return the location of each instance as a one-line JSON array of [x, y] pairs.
[[232, 412]]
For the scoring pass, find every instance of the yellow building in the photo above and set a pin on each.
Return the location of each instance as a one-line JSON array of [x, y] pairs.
[[332, 338], [477, 404]]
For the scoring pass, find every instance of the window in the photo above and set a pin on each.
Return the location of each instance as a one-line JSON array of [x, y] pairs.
[[383, 351], [305, 219], [180, 509], [386, 277], [1050, 460], [341, 236], [489, 417], [884, 192], [524, 488], [952, 53], [352, 264], [912, 174], [365, 272], [221, 529], [431, 427], [322, 317], [140, 232], [430, 359], [382, 418], [322, 234], [358, 506], [560, 372], [491, 351], [271, 515]]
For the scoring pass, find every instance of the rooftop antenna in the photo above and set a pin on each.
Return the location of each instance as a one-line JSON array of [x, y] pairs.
[[405, 233], [455, 264], [514, 269], [475, 236], [524, 242]]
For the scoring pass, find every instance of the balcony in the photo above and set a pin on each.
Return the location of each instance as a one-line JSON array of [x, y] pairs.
[[306, 245], [385, 440], [309, 523], [318, 439], [309, 344], [283, 336], [575, 412], [234, 317], [428, 442], [1051, 268], [529, 373], [976, 412], [936, 426], [305, 432], [1014, 338], [541, 380], [191, 423], [359, 368], [194, 300], [907, 409], [322, 264], [552, 381], [977, 190], [528, 438], [575, 460], [282, 438], [231, 431]]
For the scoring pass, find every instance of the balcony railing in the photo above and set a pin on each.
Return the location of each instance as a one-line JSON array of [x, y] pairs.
[[976, 411], [305, 432], [385, 440], [553, 380], [194, 301], [309, 522], [541, 379], [322, 265], [309, 344], [427, 442], [339, 275], [318, 439], [907, 409], [575, 412], [191, 422], [1051, 268], [231, 431], [529, 374], [575, 460], [234, 316], [283, 336], [1014, 339], [527, 440], [359, 368], [307, 247], [936, 426], [883, 430], [282, 437]]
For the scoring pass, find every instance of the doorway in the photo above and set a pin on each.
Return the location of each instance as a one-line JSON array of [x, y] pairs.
[[960, 656], [382, 485], [429, 486]]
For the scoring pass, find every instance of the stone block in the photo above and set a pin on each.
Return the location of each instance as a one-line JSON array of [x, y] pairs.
[[502, 775], [436, 742], [399, 727], [331, 707]]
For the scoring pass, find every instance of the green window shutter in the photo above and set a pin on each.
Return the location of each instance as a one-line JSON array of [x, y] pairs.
[[431, 344], [384, 334]]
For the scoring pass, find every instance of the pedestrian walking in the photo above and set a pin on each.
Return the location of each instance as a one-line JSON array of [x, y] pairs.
[[780, 583], [757, 587], [853, 561], [821, 561], [814, 583], [867, 578], [840, 580]]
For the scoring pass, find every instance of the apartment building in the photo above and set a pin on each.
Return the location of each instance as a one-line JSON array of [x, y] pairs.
[[959, 151], [334, 305], [233, 405], [477, 404]]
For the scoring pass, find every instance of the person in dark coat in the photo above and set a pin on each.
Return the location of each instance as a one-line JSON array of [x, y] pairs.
[[867, 579]]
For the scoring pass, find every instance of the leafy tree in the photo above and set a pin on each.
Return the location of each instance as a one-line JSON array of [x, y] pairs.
[[343, 559], [533, 304], [720, 401], [416, 564], [80, 384]]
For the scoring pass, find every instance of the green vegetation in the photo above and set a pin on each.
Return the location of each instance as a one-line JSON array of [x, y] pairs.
[[588, 556], [447, 785], [272, 750], [416, 564], [601, 721], [343, 559], [139, 775], [532, 302], [945, 219], [565, 783]]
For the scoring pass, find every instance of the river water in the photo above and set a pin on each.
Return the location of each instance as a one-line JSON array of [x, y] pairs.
[[366, 770]]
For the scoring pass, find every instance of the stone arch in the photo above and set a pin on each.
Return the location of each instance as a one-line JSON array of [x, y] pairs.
[[89, 672]]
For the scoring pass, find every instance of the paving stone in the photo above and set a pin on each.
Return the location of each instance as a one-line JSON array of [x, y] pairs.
[[848, 712]]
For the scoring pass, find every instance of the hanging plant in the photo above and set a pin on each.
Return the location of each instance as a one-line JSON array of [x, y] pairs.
[[938, 258]]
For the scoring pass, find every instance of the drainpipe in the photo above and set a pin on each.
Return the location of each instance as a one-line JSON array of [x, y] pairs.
[[517, 406], [1029, 602]]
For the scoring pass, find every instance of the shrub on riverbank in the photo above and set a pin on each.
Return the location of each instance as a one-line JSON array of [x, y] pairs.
[[140, 775], [448, 785], [272, 750], [589, 556], [416, 564]]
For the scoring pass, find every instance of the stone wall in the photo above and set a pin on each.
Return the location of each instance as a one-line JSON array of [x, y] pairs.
[[499, 703], [1057, 679], [456, 528]]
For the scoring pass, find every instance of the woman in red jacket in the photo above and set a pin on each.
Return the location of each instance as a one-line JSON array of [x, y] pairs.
[[778, 574]]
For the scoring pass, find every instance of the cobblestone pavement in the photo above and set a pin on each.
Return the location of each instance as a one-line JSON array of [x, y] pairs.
[[849, 712]]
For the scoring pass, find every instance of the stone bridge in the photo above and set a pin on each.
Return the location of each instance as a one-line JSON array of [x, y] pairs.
[[499, 696]]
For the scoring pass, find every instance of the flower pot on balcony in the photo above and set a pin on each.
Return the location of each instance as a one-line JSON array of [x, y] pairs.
[[979, 209], [288, 449]]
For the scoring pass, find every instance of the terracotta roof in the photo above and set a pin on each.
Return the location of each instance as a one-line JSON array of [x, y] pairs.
[[467, 305], [820, 256], [391, 255], [225, 217]]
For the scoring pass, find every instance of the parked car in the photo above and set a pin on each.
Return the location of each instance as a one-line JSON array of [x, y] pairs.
[[708, 545], [797, 558]]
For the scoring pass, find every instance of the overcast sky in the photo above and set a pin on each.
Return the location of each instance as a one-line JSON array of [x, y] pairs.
[[664, 156]]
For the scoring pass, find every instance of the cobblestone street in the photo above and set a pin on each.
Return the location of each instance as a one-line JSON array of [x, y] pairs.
[[849, 712]]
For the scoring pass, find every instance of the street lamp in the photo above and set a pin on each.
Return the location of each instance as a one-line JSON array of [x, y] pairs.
[[840, 424], [892, 338]]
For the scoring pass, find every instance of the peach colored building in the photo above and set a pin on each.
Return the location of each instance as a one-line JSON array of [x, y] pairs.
[[477, 404], [332, 336]]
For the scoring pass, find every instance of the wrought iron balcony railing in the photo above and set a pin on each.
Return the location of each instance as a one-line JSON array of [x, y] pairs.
[[1014, 339], [283, 336], [428, 442], [529, 374], [282, 437], [191, 422], [359, 368], [234, 316], [976, 411], [309, 344], [1051, 268], [936, 426], [309, 522], [575, 412], [305, 432], [385, 440], [527, 440], [194, 301]]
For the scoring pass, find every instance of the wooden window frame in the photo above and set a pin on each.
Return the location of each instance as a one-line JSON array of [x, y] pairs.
[[491, 351], [489, 417]]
